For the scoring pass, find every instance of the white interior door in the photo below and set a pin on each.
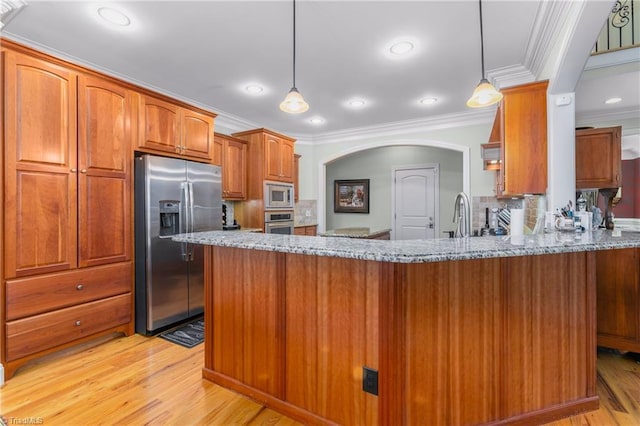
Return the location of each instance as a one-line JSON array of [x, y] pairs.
[[416, 196]]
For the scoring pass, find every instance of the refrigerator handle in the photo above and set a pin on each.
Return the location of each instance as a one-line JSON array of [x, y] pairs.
[[184, 220], [191, 213], [191, 221]]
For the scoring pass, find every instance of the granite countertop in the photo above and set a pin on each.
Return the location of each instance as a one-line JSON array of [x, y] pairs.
[[354, 233], [418, 251]]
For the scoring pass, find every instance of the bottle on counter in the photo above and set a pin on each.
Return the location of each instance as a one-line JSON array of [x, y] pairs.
[[581, 203]]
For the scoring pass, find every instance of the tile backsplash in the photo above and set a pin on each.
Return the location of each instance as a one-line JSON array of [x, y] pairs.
[[531, 205], [306, 213]]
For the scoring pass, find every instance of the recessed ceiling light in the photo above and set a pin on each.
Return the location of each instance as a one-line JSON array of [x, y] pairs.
[[401, 47], [428, 101], [612, 101], [356, 103], [316, 120], [254, 89], [114, 16]]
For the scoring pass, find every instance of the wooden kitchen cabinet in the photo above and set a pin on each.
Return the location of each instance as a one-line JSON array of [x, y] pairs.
[[618, 298], [521, 128], [67, 241], [271, 157], [309, 230], [168, 128], [280, 158], [599, 158], [234, 166]]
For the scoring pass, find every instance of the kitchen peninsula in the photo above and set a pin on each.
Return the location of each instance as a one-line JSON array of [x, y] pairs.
[[449, 331]]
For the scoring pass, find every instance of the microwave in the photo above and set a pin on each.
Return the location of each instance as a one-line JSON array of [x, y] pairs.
[[278, 195]]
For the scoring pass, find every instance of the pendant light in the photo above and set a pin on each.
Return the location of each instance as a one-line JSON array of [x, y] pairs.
[[485, 94], [294, 103]]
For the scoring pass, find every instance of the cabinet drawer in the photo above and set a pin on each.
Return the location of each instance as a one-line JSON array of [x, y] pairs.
[[30, 335], [30, 296]]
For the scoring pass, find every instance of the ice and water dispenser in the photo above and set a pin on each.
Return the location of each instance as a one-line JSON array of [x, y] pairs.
[[169, 217]]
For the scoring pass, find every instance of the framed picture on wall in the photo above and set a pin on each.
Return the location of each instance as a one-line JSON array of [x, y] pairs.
[[351, 196]]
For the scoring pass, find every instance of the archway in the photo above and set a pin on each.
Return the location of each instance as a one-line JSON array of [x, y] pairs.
[[322, 164]]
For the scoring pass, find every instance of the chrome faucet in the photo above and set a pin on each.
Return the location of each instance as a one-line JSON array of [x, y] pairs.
[[462, 215]]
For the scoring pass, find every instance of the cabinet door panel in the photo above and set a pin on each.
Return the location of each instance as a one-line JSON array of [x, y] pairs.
[[104, 180], [272, 157], [197, 134], [286, 158], [598, 158], [159, 125], [105, 220], [40, 152], [235, 180]]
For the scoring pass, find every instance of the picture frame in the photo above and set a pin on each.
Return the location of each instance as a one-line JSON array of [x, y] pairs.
[[351, 196]]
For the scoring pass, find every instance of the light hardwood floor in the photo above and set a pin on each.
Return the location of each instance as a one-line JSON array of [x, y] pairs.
[[140, 380]]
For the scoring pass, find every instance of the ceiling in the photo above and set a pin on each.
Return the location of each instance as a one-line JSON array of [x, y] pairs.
[[207, 52]]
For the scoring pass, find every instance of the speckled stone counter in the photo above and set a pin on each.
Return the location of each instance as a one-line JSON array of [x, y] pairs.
[[418, 251], [366, 233]]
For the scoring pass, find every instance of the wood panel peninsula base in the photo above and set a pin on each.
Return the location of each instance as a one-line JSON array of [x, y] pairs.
[[492, 340]]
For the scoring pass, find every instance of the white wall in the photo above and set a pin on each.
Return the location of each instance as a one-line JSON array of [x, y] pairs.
[[465, 135], [376, 165]]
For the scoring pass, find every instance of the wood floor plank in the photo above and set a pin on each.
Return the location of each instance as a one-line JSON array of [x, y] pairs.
[[140, 380]]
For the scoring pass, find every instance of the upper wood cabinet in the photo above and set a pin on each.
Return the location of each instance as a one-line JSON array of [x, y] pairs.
[[599, 158], [67, 172], [279, 155], [233, 154], [522, 122], [270, 158], [169, 128]]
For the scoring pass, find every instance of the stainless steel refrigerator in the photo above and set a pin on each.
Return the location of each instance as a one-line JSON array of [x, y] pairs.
[[172, 196]]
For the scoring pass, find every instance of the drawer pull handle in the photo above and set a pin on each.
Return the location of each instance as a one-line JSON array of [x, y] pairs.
[[78, 323], [79, 287]]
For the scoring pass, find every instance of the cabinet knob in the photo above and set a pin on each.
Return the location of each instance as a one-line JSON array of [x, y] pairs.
[[79, 287], [83, 171], [78, 323], [74, 170]]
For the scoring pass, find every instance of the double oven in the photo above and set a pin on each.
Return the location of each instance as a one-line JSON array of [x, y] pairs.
[[278, 205]]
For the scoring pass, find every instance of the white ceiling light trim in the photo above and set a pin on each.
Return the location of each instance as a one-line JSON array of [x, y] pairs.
[[428, 100], [611, 101], [356, 103], [401, 48], [114, 16], [253, 89], [317, 121]]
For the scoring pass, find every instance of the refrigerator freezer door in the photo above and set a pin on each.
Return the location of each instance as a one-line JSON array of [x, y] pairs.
[[166, 262]]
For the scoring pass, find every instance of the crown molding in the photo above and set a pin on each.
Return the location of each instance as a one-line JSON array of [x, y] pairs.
[[440, 122], [511, 76], [547, 28], [588, 118]]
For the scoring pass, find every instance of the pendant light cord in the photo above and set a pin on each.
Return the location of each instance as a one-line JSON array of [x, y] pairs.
[[294, 44], [481, 40]]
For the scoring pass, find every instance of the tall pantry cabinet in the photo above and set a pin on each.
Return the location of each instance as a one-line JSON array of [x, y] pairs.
[[67, 272]]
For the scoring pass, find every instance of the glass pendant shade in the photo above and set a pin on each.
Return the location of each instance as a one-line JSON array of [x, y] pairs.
[[294, 103], [484, 95]]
